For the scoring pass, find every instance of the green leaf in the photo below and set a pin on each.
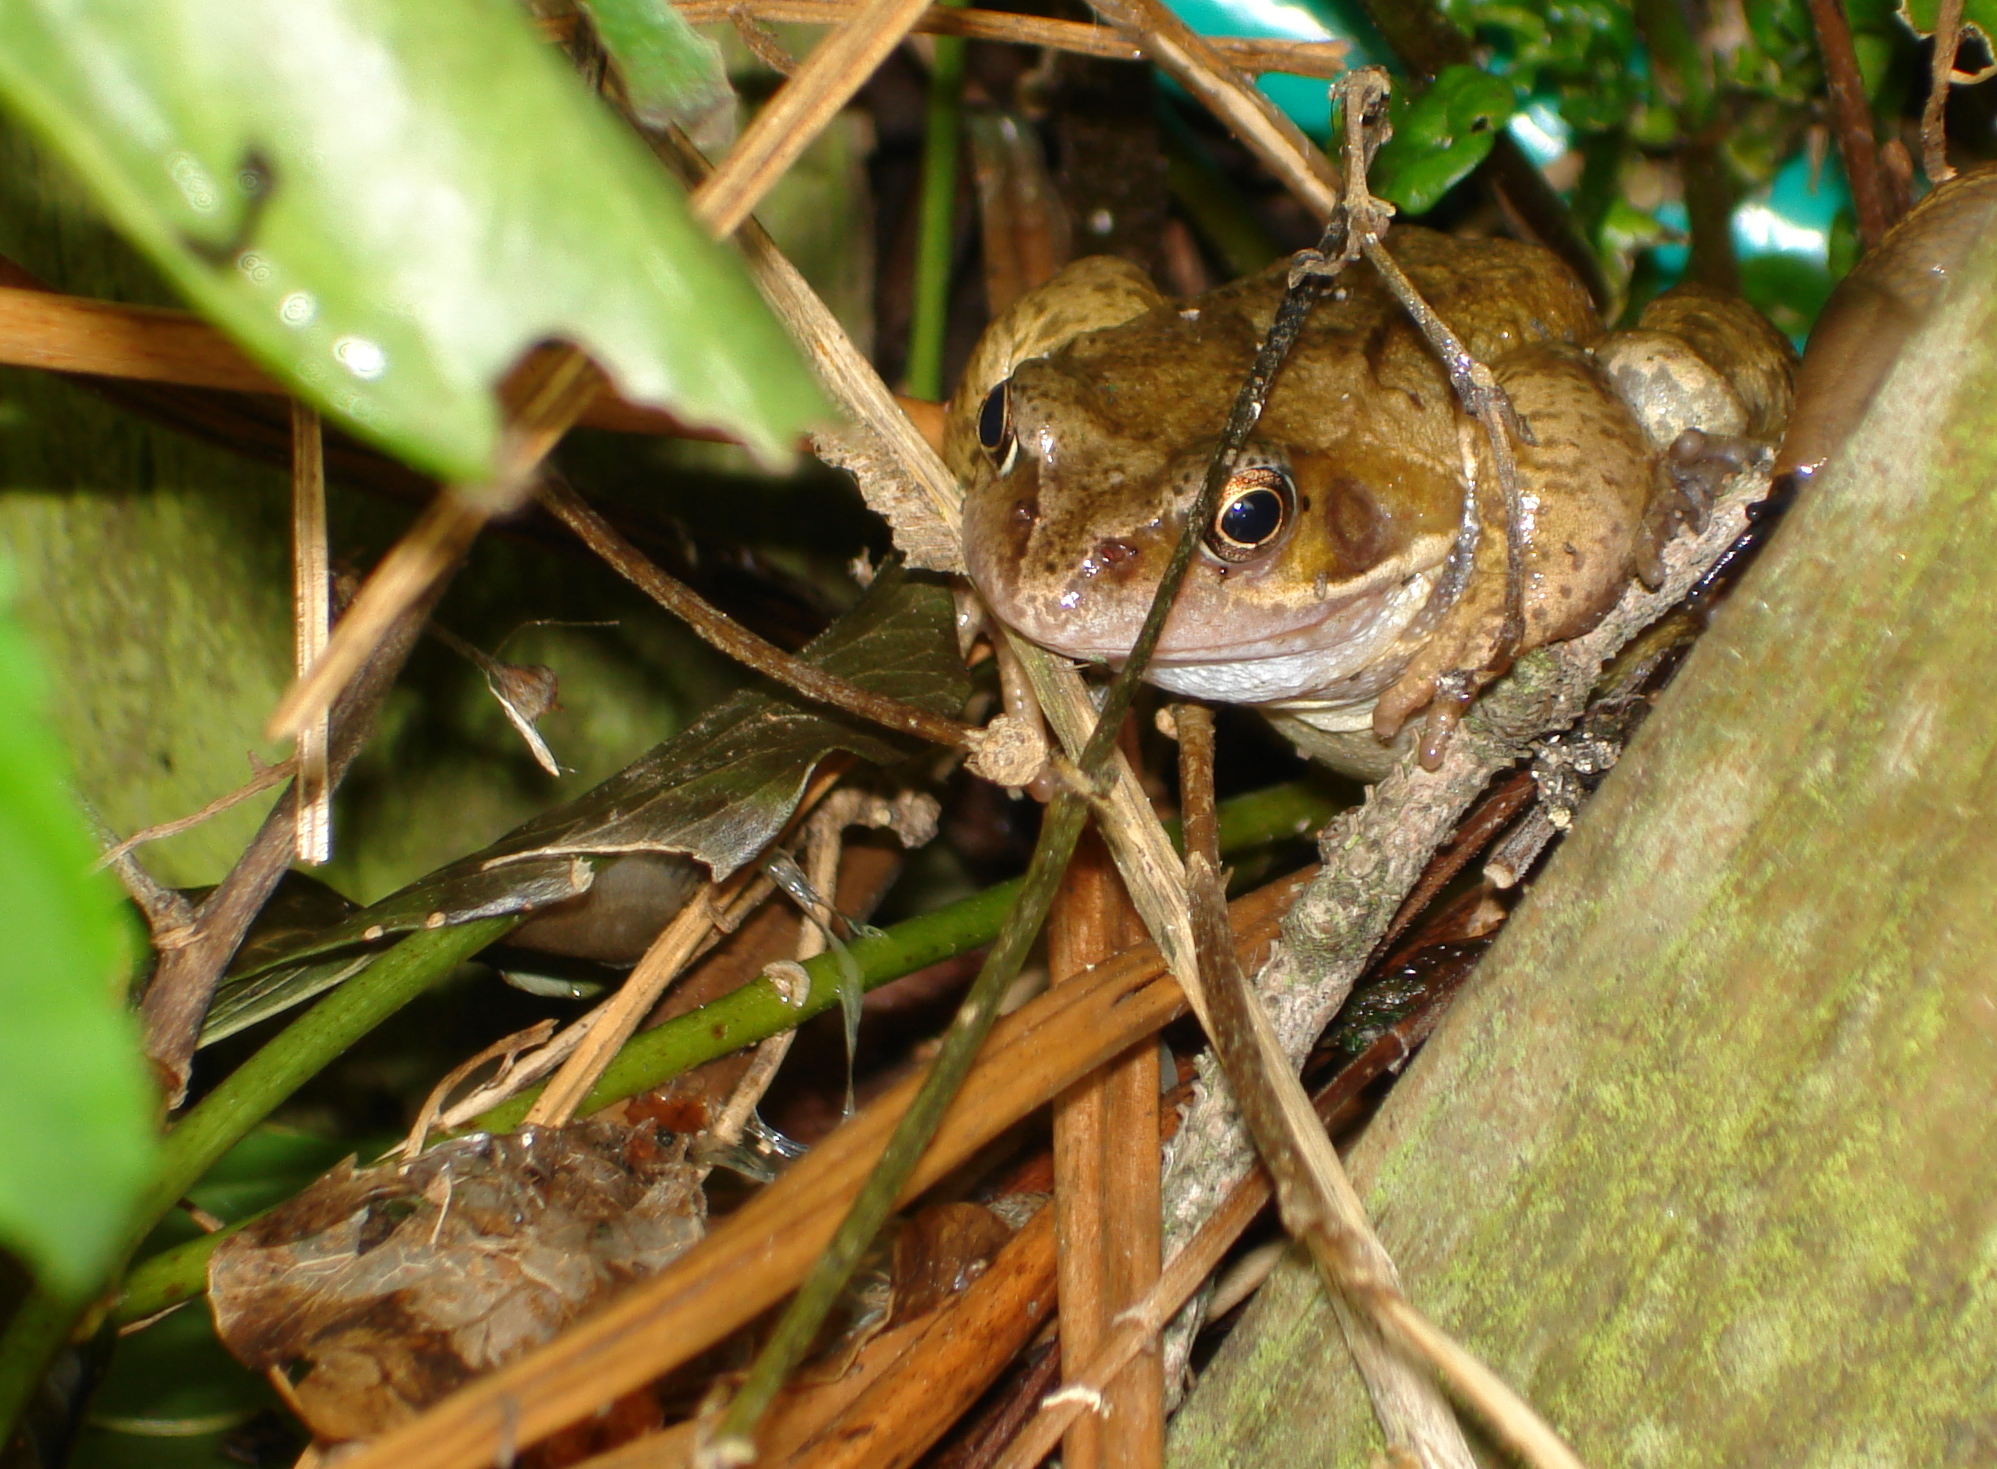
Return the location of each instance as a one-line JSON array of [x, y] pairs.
[[671, 73], [718, 792], [386, 203], [1440, 136], [77, 1147]]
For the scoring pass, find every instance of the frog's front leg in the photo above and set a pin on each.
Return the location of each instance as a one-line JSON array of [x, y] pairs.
[[1586, 484]]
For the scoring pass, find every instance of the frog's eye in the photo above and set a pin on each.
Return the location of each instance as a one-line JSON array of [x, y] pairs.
[[995, 428], [1253, 510]]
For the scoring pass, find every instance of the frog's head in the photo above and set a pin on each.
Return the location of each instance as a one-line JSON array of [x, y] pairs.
[[1082, 431]]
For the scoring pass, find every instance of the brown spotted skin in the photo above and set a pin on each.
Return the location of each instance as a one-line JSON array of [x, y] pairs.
[[1117, 396]]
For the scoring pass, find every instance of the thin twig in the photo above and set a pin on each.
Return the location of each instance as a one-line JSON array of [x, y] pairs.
[[1253, 54], [837, 68], [311, 621], [1200, 68], [1313, 1195], [1854, 119], [182, 987], [722, 632], [902, 477], [1941, 76], [266, 777]]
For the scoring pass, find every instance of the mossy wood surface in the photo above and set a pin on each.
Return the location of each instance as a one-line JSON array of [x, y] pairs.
[[1703, 1162]]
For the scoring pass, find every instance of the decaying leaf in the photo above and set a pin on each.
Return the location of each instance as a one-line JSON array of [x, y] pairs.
[[717, 792], [888, 480], [379, 1290]]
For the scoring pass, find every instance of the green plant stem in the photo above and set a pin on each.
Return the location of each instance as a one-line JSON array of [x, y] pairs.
[[936, 238], [756, 1011], [222, 1118], [799, 1326]]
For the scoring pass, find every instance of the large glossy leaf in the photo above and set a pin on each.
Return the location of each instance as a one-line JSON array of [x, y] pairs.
[[718, 792], [386, 203], [1440, 136], [77, 1146]]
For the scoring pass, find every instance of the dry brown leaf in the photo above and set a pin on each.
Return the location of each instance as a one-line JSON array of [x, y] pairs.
[[378, 1291]]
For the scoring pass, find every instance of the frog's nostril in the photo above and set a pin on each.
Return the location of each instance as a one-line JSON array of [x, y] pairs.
[[1114, 550]]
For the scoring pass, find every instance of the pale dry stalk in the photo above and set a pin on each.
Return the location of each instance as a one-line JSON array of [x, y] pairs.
[[311, 622], [1254, 54], [837, 68], [1197, 65], [670, 952]]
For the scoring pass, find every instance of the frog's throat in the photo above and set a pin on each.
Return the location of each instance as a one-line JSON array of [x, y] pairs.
[[1341, 660]]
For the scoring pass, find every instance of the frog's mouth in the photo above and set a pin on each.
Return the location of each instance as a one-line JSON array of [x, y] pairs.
[[1346, 644]]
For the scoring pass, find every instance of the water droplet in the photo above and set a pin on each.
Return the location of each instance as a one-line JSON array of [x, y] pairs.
[[195, 186], [364, 359]]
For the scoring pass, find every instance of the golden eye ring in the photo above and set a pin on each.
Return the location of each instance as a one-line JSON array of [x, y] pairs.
[[995, 435], [1254, 510]]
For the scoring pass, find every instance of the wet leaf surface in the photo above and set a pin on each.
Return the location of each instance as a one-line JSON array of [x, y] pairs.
[[388, 204]]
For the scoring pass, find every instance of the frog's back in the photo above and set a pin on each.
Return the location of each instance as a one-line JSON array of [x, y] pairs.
[[1360, 356], [1496, 294]]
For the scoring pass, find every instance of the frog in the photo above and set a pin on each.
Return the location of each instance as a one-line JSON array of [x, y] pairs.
[[1354, 570]]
